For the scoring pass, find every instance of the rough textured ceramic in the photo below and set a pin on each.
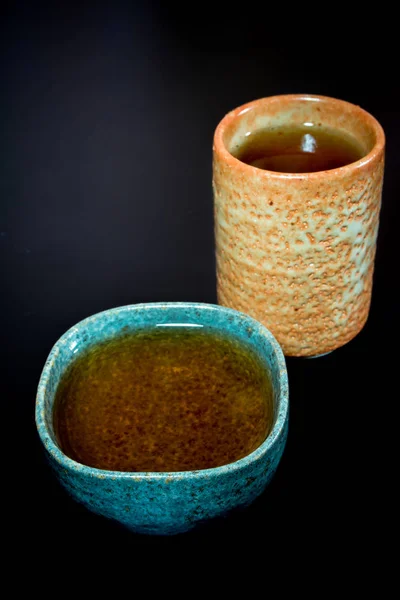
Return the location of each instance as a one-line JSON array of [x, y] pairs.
[[296, 251], [165, 503]]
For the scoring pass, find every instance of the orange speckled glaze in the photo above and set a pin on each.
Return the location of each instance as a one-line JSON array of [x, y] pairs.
[[296, 251]]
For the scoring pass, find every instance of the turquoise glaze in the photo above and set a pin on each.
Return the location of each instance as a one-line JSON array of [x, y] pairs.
[[165, 503]]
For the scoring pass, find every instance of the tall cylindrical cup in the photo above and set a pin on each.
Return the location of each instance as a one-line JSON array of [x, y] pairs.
[[296, 251]]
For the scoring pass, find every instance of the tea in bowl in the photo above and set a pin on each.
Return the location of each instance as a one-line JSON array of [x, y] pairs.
[[162, 416]]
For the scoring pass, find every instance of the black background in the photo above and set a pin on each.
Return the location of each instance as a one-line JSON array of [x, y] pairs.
[[107, 121]]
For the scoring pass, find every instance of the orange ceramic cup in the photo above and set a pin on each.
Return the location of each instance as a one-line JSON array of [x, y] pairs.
[[296, 251]]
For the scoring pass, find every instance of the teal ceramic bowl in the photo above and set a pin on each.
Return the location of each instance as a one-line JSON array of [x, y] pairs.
[[165, 503]]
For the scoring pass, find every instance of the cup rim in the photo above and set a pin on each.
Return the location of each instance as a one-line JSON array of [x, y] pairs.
[[71, 465], [220, 148]]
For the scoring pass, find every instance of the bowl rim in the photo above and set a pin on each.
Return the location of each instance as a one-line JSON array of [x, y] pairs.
[[71, 465]]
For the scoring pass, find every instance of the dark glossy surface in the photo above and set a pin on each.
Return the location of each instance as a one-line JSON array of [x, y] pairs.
[[107, 121]]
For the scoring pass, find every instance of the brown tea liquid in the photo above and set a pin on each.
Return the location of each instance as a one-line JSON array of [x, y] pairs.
[[164, 399], [299, 149]]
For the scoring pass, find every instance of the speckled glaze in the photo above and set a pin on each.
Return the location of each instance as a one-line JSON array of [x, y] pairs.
[[165, 503], [296, 251]]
